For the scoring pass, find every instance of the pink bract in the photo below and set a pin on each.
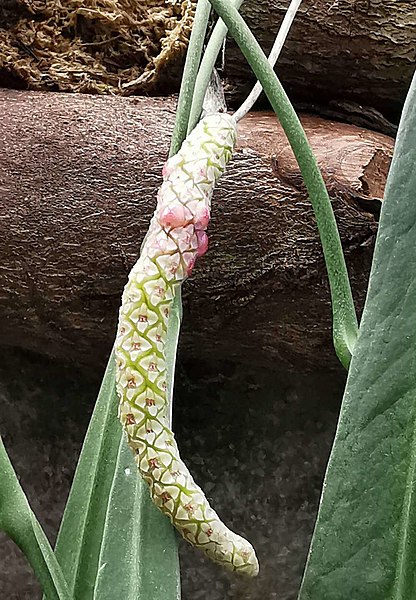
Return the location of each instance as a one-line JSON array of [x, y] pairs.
[[171, 217], [202, 218], [202, 242]]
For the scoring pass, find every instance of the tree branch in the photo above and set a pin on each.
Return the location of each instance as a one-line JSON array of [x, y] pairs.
[[78, 182]]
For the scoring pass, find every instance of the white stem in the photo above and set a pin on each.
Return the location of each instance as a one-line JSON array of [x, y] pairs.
[[273, 56]]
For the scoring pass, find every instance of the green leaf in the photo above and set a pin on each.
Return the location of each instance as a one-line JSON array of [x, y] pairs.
[[190, 70], [19, 522], [135, 559], [113, 541], [364, 545]]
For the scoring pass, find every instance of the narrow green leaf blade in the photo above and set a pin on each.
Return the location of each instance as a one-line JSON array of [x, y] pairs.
[[113, 542], [136, 560], [59, 588], [79, 540], [19, 522], [364, 545]]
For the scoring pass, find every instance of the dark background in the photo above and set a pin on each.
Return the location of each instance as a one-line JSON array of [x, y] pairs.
[[257, 442]]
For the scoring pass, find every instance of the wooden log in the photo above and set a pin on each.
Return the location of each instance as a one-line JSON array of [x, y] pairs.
[[350, 60], [78, 181]]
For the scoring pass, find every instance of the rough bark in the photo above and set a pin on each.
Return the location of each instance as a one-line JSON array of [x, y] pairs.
[[78, 180], [348, 59], [343, 57]]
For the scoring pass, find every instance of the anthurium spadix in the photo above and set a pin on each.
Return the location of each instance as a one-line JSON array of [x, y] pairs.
[[176, 238]]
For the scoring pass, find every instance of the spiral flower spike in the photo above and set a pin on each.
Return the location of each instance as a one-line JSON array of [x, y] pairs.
[[176, 238]]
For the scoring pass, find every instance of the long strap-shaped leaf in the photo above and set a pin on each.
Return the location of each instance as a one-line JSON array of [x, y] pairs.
[[113, 542], [364, 546], [19, 522]]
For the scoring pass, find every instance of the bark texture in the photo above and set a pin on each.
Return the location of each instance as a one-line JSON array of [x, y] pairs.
[[345, 58], [78, 180]]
